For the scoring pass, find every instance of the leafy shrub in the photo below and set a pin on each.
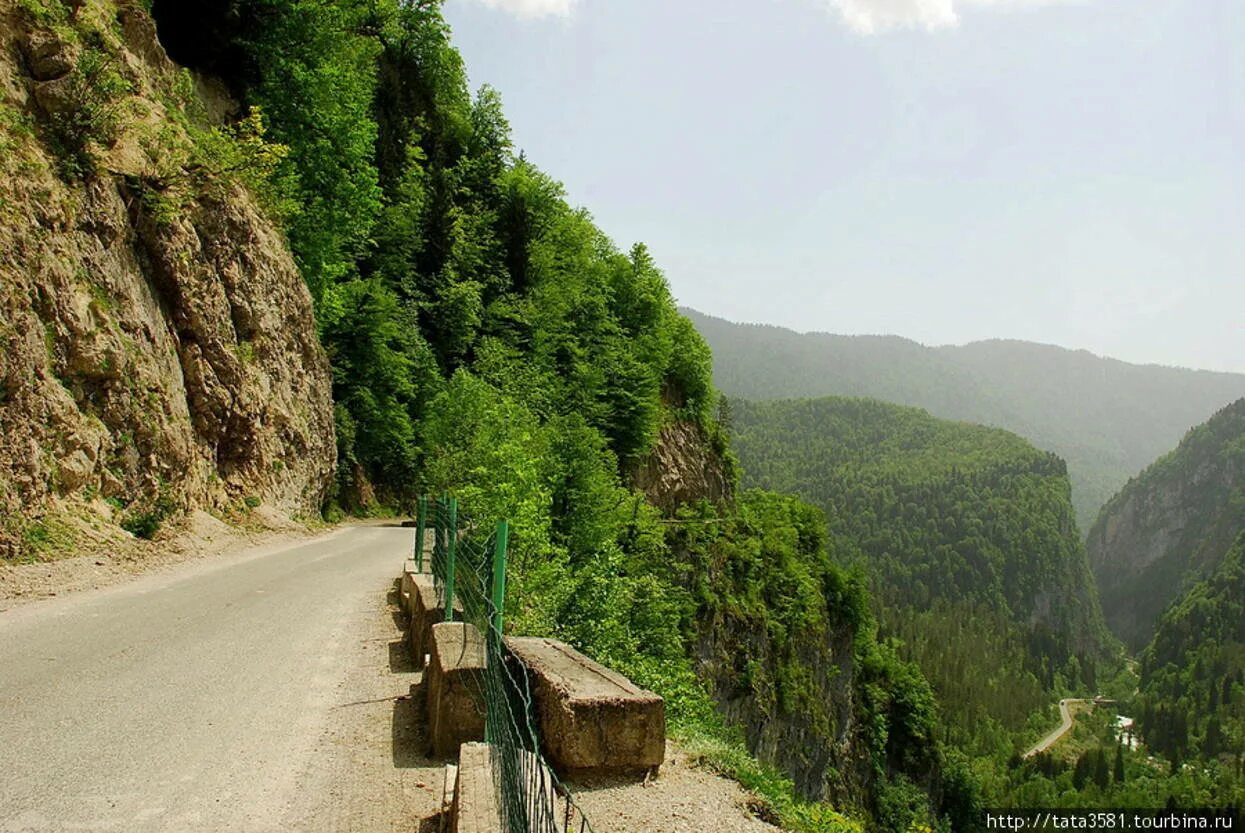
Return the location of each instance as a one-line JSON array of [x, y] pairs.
[[145, 522], [90, 114]]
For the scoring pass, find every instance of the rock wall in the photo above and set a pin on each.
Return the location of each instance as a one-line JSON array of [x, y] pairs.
[[1171, 526], [821, 752], [157, 343], [684, 467]]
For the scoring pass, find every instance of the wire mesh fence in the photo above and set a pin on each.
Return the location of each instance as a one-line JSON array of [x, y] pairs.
[[468, 565]]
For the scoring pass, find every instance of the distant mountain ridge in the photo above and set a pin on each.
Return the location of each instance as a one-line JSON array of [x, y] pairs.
[[1107, 418]]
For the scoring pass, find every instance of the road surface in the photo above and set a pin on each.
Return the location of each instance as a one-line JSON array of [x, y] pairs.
[[1065, 725], [253, 693]]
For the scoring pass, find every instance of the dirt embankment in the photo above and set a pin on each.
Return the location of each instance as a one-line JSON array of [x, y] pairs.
[[123, 558]]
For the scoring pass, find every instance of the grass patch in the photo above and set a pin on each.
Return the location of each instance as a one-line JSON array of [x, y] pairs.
[[45, 11], [47, 539], [776, 802]]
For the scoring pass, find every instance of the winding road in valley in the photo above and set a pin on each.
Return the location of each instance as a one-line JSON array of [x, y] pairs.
[[1066, 718], [250, 692]]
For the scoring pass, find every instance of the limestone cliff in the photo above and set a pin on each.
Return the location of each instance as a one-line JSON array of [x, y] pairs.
[[157, 346], [684, 467], [1170, 526]]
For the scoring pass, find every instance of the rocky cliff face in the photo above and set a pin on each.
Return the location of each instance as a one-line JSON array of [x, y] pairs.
[[157, 345], [1171, 526], [821, 752], [684, 467]]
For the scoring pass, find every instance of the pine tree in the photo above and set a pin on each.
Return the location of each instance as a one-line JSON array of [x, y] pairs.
[[1102, 772]]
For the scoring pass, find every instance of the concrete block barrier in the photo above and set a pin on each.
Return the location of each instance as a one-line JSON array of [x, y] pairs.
[[453, 683], [591, 719], [425, 611], [475, 807]]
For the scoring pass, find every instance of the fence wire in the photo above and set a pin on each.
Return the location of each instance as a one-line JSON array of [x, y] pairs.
[[530, 796]]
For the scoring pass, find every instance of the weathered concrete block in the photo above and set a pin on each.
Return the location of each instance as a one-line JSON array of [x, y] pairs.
[[406, 588], [426, 610], [453, 681], [592, 719], [475, 807]]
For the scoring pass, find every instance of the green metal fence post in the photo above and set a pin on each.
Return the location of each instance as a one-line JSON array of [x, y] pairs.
[[438, 537], [421, 520], [451, 544], [502, 539], [497, 621]]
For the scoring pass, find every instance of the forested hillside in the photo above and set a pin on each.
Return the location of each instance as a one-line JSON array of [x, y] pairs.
[[1106, 418], [1171, 526], [1193, 673], [967, 536]]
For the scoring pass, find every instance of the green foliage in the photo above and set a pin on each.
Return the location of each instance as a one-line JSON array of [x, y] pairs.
[[145, 520], [968, 536], [429, 247], [45, 11], [14, 126], [316, 76], [241, 152], [91, 114]]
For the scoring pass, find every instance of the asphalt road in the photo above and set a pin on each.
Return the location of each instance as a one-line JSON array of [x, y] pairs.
[[191, 700], [1065, 725]]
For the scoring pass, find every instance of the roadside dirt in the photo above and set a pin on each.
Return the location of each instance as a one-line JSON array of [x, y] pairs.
[[194, 536], [368, 772], [681, 799]]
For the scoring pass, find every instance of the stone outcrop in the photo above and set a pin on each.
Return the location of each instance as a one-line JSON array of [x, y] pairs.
[[157, 345], [1171, 526], [684, 467]]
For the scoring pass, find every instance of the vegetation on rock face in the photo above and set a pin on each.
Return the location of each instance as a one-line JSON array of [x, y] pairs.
[[1171, 525], [1080, 406], [968, 538], [157, 343]]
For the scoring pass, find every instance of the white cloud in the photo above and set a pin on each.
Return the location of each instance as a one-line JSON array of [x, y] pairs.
[[533, 8], [869, 16]]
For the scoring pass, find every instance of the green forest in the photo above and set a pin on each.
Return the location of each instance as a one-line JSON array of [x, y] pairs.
[[967, 535], [1078, 405], [1192, 703]]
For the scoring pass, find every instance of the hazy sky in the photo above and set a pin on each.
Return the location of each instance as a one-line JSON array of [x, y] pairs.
[[1064, 171]]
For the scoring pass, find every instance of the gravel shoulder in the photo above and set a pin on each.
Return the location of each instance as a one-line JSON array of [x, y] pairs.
[[368, 772], [682, 798]]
